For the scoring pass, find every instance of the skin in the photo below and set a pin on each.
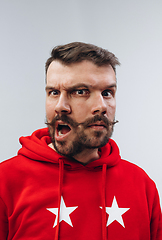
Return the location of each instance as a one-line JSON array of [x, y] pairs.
[[80, 91]]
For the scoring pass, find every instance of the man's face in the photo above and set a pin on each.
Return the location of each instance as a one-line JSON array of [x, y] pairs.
[[80, 101]]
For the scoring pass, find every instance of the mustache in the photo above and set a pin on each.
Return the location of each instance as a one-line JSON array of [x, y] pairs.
[[68, 120]]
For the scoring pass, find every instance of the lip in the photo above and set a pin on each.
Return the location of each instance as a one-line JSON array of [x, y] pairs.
[[98, 125], [63, 136]]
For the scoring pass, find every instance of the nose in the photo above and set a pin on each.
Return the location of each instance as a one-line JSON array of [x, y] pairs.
[[63, 106], [99, 105]]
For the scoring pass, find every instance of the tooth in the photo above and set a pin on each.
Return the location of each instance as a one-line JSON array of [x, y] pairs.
[[61, 125], [59, 133]]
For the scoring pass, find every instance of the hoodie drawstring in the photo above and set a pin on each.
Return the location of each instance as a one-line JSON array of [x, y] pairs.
[[61, 173], [104, 202]]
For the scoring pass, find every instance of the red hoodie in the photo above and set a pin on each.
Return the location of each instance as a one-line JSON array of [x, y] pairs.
[[46, 196]]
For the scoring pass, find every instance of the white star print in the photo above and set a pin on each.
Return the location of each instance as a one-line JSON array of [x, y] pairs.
[[115, 213], [64, 213]]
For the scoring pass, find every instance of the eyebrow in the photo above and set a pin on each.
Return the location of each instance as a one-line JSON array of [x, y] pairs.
[[47, 88], [79, 85], [76, 86]]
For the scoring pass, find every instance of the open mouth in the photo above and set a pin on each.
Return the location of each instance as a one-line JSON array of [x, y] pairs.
[[63, 129]]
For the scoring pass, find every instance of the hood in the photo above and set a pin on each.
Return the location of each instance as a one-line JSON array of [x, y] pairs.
[[35, 147]]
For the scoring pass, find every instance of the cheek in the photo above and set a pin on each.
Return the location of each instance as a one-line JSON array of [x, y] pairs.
[[50, 113], [111, 111]]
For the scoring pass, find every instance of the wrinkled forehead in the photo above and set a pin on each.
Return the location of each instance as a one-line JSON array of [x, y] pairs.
[[84, 72]]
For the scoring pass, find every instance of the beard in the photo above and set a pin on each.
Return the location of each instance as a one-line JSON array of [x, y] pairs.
[[84, 139]]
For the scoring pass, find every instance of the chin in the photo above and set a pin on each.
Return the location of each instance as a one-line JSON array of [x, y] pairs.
[[68, 149], [98, 143]]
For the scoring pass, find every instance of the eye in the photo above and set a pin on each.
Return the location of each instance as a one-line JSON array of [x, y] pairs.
[[107, 93], [80, 92], [53, 92]]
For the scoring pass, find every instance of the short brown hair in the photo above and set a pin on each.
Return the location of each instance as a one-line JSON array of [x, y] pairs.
[[76, 52]]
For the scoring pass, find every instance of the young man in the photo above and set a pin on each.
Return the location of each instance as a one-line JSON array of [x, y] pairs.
[[68, 180]]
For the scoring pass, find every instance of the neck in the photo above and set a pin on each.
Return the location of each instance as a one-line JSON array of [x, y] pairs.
[[86, 156]]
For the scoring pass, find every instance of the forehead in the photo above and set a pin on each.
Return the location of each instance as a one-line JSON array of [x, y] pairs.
[[85, 72]]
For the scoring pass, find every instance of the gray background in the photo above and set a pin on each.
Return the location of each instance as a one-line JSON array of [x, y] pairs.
[[132, 29]]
